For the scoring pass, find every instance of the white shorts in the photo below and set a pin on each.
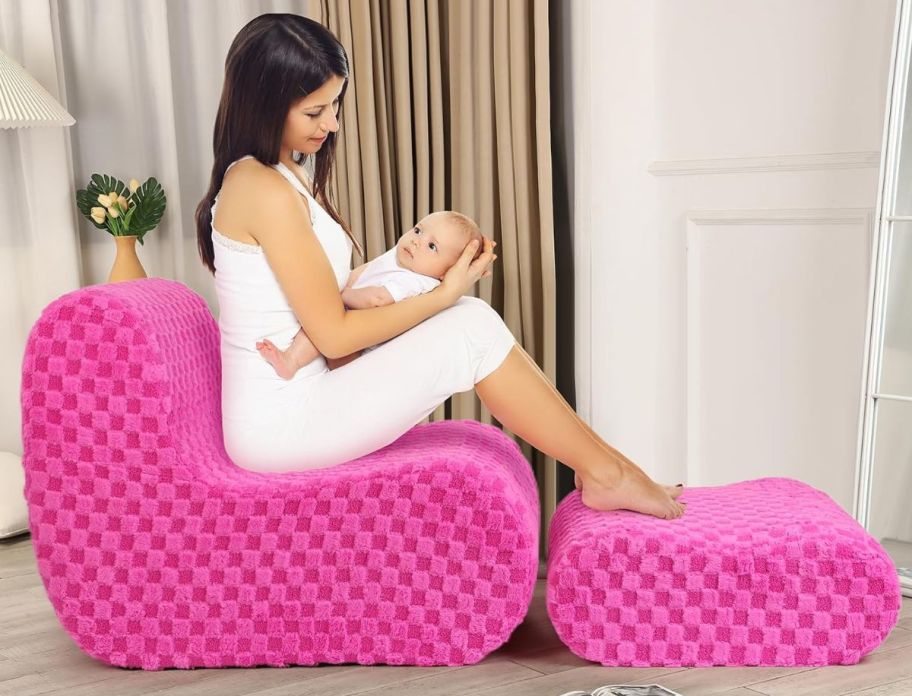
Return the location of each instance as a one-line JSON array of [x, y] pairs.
[[338, 415]]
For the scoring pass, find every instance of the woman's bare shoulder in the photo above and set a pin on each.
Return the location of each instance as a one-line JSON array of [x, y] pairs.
[[247, 188], [250, 185], [252, 172]]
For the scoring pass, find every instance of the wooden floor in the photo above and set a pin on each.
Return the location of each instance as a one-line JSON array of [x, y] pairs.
[[38, 657]]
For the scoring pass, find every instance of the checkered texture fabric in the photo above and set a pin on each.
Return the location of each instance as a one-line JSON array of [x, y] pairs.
[[157, 551], [764, 572]]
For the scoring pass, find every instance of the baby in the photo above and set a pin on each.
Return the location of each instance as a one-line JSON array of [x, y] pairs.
[[417, 264]]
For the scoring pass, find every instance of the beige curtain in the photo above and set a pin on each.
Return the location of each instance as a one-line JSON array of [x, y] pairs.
[[449, 108]]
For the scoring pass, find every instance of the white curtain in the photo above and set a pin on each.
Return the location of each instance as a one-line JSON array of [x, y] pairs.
[[39, 247], [142, 79]]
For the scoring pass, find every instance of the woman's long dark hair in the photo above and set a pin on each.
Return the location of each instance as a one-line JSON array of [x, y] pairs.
[[274, 60]]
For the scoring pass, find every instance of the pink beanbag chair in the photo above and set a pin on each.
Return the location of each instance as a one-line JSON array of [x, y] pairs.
[[765, 572], [157, 551]]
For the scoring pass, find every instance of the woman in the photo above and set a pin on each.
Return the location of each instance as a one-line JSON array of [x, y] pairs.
[[280, 253]]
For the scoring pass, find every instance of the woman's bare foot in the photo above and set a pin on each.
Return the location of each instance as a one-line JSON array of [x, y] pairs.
[[279, 360], [673, 491], [620, 487]]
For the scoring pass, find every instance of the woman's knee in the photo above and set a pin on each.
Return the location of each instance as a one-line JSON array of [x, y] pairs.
[[481, 320], [475, 306], [470, 300]]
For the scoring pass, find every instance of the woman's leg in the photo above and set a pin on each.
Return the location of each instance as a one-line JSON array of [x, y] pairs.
[[345, 413], [521, 397], [674, 491], [363, 405]]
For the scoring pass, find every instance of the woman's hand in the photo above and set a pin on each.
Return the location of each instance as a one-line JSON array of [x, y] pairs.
[[463, 274]]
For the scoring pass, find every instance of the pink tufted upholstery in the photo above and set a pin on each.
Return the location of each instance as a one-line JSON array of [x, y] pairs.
[[764, 572], [157, 551]]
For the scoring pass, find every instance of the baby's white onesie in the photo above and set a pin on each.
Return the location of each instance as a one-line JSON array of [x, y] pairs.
[[401, 282]]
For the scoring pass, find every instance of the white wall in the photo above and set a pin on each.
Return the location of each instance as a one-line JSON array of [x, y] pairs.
[[749, 132]]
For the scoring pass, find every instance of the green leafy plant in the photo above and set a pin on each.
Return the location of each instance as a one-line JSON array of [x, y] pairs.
[[122, 209]]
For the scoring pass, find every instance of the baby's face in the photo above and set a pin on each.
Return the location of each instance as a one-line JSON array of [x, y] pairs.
[[431, 246]]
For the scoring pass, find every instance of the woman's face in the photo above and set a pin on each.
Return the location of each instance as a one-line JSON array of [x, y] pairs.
[[311, 118]]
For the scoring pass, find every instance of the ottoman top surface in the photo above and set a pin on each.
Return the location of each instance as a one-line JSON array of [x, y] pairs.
[[766, 511]]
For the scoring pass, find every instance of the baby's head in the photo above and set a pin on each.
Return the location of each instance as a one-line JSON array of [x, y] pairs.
[[437, 242]]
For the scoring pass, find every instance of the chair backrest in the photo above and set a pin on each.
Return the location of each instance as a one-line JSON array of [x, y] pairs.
[[124, 376]]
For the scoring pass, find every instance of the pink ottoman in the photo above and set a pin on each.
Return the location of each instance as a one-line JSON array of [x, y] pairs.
[[157, 551], [765, 572]]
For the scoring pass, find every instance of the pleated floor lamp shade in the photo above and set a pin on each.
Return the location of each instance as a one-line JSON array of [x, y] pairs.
[[24, 102]]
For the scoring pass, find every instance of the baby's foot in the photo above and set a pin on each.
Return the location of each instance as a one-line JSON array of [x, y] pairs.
[[673, 491], [280, 362], [624, 490]]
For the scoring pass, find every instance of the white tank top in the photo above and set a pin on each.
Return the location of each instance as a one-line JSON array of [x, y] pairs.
[[252, 306]]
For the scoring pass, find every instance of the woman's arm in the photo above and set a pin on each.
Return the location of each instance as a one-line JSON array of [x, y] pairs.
[[280, 222], [354, 298], [334, 363], [354, 275]]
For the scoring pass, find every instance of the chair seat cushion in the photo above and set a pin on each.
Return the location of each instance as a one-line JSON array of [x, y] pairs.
[[763, 572]]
